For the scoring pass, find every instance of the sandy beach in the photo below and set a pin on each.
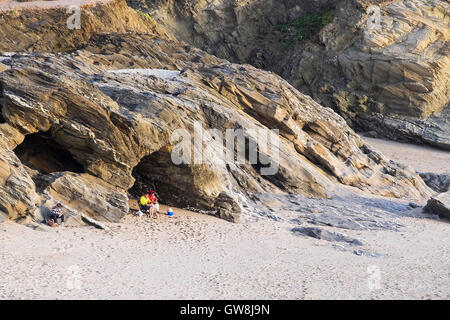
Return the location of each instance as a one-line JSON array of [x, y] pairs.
[[195, 256], [420, 157]]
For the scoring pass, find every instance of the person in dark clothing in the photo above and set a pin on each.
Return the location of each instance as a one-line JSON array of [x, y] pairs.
[[57, 213]]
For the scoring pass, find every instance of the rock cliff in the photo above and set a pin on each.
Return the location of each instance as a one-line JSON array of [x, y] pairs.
[[89, 127], [383, 65], [40, 26]]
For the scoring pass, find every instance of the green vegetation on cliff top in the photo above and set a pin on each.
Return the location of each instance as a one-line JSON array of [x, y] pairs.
[[307, 26]]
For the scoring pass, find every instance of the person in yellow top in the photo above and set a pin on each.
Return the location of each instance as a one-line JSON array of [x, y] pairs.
[[145, 204]]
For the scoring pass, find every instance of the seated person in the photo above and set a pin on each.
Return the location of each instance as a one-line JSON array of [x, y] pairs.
[[145, 204], [56, 214]]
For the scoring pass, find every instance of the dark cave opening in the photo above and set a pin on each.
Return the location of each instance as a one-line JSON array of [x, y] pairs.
[[2, 118], [171, 182], [39, 151]]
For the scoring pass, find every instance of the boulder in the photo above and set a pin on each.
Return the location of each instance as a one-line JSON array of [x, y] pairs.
[[322, 234], [439, 205], [334, 220]]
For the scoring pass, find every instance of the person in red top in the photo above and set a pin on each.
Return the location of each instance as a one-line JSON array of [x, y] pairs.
[[154, 206]]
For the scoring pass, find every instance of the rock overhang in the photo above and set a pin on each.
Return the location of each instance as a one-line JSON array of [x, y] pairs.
[[135, 113]]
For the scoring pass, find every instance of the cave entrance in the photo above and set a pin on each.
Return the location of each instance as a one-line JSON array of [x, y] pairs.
[[2, 119], [39, 151], [173, 183]]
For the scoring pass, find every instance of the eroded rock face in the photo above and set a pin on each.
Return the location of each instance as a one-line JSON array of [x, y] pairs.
[[395, 71], [53, 30], [383, 65], [17, 195], [118, 123], [240, 31], [3, 67]]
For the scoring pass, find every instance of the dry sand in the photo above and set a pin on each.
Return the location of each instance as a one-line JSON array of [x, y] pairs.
[[194, 256], [420, 157]]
